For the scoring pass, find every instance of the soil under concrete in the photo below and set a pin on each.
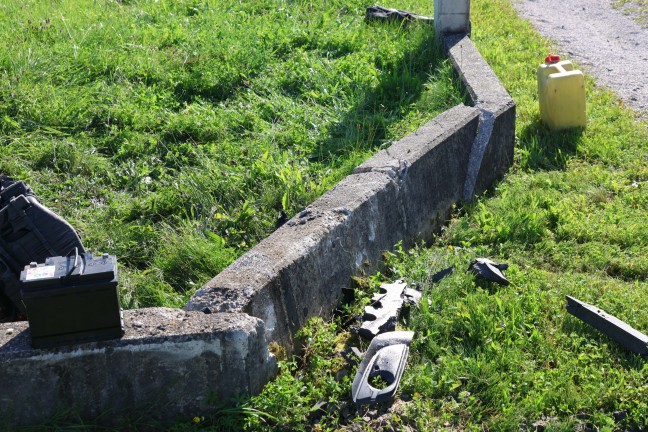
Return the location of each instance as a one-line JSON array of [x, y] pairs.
[[609, 45]]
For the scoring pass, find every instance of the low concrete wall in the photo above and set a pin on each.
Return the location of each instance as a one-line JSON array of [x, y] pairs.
[[170, 361], [402, 193], [167, 358], [492, 151]]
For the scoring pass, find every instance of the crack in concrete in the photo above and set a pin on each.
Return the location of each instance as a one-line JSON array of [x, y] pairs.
[[484, 132]]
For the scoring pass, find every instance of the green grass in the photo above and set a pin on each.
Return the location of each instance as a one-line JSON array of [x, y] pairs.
[[172, 133]]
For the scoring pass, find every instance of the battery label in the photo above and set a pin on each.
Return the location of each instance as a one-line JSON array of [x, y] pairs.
[[44, 272]]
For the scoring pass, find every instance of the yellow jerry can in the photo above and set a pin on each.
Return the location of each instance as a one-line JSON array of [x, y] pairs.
[[561, 93]]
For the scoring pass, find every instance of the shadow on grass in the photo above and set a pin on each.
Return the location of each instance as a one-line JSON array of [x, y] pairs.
[[542, 149], [401, 83]]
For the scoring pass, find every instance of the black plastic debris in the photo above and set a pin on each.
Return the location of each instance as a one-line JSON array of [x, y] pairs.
[[436, 277], [384, 362], [282, 218], [29, 232], [352, 355], [629, 338], [379, 13], [318, 410], [382, 315], [489, 270]]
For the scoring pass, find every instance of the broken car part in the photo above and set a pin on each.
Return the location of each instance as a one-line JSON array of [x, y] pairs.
[[489, 270], [29, 232], [352, 355], [379, 13], [384, 361], [72, 299], [629, 338], [382, 315]]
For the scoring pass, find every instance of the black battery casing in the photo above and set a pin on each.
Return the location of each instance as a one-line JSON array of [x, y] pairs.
[[72, 299]]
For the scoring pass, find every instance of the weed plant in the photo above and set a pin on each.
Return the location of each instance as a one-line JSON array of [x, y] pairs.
[[172, 133]]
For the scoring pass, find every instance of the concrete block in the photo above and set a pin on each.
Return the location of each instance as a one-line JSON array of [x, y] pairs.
[[431, 167], [497, 156], [485, 89], [451, 16], [452, 6], [453, 23], [168, 365], [492, 152]]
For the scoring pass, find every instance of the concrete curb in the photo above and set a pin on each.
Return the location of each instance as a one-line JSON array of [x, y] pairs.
[[168, 358], [402, 193], [492, 151], [218, 346]]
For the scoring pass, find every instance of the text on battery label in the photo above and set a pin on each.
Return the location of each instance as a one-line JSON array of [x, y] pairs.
[[40, 272]]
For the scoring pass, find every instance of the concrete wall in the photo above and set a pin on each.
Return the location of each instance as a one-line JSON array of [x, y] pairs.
[[402, 193], [492, 151], [168, 358], [170, 361]]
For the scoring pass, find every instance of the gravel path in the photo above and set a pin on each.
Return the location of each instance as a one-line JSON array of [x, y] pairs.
[[610, 46]]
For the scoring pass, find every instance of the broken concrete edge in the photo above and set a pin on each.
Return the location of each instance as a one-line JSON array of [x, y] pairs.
[[492, 152], [451, 16], [168, 358], [404, 193]]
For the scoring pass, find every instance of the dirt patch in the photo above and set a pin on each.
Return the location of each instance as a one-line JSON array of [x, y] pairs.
[[607, 43]]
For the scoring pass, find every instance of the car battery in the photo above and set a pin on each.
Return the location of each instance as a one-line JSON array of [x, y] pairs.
[[72, 299]]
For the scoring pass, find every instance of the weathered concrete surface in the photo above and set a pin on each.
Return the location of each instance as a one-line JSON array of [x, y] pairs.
[[299, 270], [492, 152], [430, 166], [452, 16], [168, 357], [402, 193]]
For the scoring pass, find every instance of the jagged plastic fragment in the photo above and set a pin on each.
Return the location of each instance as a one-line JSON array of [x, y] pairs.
[[489, 270], [379, 13], [382, 315]]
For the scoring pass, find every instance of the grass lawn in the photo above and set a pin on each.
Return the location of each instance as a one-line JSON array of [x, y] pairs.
[[172, 133]]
